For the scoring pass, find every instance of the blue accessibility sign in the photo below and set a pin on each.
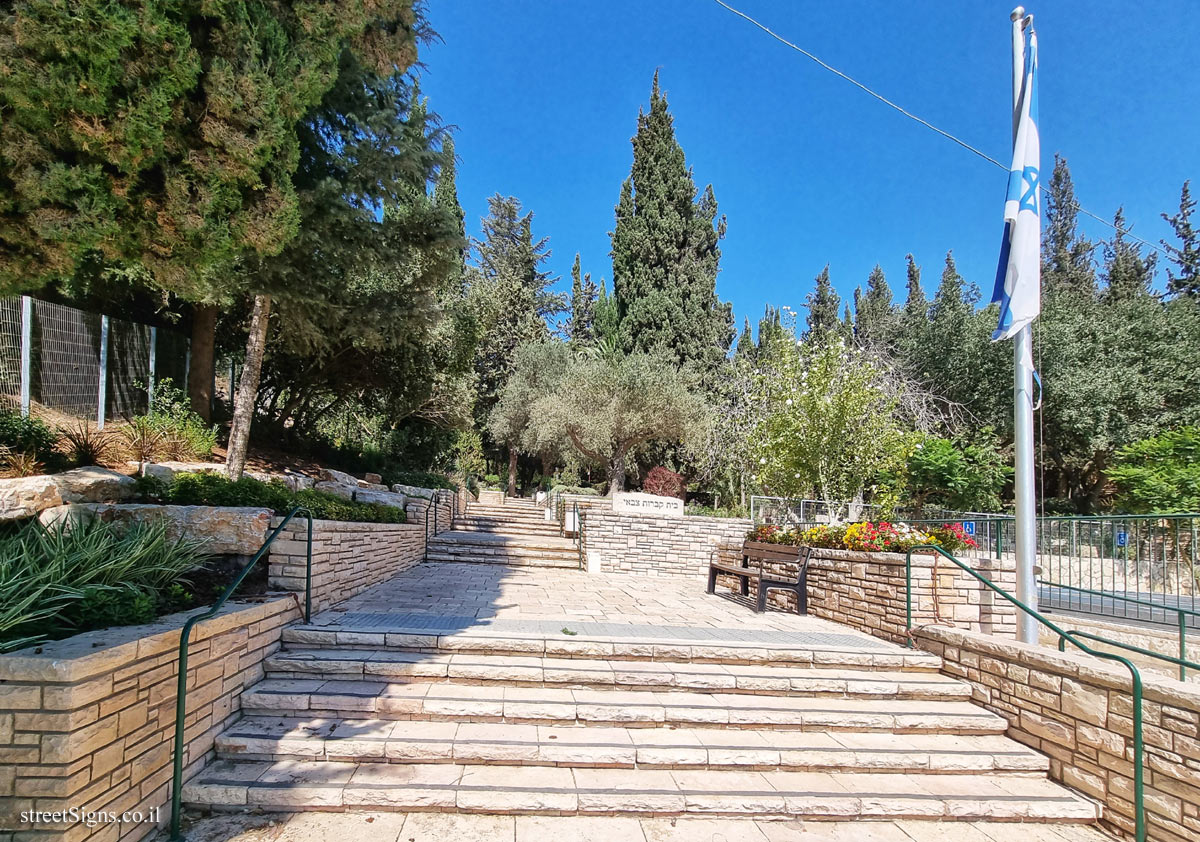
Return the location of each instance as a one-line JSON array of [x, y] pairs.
[[1122, 539], [969, 527]]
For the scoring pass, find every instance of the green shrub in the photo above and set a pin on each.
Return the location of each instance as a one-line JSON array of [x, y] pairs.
[[218, 490], [59, 580], [420, 479], [26, 435], [184, 434]]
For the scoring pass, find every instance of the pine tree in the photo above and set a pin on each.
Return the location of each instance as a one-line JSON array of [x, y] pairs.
[[581, 330], [665, 250], [1186, 254], [916, 305], [823, 305], [770, 327], [1126, 271], [874, 315], [1066, 255]]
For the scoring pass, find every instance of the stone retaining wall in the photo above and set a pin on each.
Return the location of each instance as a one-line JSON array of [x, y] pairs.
[[1077, 709], [444, 502], [347, 558], [646, 545], [88, 722], [867, 591]]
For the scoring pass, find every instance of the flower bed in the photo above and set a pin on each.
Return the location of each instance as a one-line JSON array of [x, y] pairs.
[[867, 536]]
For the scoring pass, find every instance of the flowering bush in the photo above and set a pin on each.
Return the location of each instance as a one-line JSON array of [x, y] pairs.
[[866, 536], [664, 482]]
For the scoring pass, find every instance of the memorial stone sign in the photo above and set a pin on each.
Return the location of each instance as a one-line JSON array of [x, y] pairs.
[[637, 503]]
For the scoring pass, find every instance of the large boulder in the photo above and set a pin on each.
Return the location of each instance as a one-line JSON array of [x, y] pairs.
[[330, 475], [225, 530], [338, 488], [372, 479], [387, 498], [26, 496], [94, 484], [413, 491]]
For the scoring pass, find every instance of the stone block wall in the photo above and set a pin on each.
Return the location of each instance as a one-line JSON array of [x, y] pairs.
[[88, 722], [646, 545], [1077, 710], [441, 518], [347, 558], [867, 591]]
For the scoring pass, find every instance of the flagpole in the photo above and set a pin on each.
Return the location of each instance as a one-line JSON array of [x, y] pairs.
[[1026, 519]]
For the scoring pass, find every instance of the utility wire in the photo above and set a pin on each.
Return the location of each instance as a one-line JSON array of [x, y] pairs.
[[1124, 231]]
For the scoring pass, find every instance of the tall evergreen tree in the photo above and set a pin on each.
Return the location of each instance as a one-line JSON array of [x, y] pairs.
[[665, 250], [581, 330], [1186, 254], [512, 294], [445, 197], [823, 305], [915, 302], [1066, 254], [1126, 271], [745, 344], [605, 321], [874, 315]]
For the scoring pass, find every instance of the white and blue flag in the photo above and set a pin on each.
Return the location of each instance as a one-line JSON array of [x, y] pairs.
[[1019, 276]]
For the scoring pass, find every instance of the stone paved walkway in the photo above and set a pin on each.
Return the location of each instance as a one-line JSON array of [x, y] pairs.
[[450, 827], [448, 597]]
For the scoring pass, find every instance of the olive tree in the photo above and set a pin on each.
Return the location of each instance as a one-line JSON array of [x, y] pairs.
[[825, 421], [601, 404]]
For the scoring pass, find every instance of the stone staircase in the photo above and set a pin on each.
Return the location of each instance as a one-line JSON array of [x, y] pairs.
[[515, 533], [366, 718]]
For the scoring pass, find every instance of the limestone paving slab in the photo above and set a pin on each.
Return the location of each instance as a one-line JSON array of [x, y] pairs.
[[516, 744], [418, 700], [467, 667], [368, 826], [555, 790]]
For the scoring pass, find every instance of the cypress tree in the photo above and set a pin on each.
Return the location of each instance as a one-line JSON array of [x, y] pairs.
[[1066, 255], [745, 344], [823, 305], [915, 303], [605, 319], [445, 196], [581, 330], [1185, 255], [1126, 272], [665, 250], [874, 313]]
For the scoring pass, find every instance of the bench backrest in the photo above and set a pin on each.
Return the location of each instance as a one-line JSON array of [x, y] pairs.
[[785, 553]]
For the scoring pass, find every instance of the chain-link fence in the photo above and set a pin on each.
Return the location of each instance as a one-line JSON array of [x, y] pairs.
[[57, 360]]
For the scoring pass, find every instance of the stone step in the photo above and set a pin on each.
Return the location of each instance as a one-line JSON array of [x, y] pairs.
[[536, 670], [385, 740], [363, 699], [814, 652], [560, 562], [512, 543], [494, 527], [287, 784]]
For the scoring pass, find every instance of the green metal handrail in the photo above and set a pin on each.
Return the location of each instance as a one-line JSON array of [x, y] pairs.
[[1181, 615], [185, 634], [1139, 805]]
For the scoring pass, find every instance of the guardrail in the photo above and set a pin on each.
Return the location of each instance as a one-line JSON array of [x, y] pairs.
[[185, 634], [1139, 806]]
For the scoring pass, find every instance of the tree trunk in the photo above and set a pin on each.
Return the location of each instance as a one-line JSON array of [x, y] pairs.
[[616, 472], [512, 471], [247, 392], [200, 369]]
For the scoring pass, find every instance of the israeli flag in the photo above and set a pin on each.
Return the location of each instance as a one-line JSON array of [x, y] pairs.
[[1019, 276]]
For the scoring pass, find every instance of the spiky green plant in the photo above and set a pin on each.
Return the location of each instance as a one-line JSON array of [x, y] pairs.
[[44, 570]]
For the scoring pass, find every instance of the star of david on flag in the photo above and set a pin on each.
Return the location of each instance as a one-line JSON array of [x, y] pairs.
[[1019, 275]]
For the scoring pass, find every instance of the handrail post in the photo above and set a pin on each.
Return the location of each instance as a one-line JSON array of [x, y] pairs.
[[908, 599], [1182, 644], [184, 642]]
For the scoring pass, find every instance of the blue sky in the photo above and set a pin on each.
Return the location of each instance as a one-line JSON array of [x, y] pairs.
[[808, 169]]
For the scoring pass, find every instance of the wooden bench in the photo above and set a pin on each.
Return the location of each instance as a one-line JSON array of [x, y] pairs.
[[762, 554]]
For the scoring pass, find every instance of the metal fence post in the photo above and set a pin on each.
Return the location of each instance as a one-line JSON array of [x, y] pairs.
[[102, 397], [150, 379], [26, 353]]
